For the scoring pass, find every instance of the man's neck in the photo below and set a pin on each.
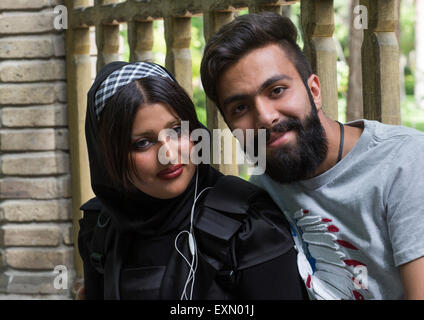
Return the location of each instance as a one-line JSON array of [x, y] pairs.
[[332, 132]]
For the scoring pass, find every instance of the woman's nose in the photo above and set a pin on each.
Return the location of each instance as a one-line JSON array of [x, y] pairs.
[[171, 146]]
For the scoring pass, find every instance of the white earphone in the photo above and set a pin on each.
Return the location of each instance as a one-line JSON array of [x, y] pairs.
[[192, 246]]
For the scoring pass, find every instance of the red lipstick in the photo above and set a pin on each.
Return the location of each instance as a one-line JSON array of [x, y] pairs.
[[171, 172]]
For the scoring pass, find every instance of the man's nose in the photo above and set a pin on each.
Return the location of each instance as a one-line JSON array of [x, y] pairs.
[[267, 114]]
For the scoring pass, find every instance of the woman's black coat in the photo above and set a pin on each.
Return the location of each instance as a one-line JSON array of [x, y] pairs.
[[245, 252]]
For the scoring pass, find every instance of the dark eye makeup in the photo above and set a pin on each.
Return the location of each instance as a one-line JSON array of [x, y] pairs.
[[145, 143]]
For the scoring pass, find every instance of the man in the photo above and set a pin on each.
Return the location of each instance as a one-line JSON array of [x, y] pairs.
[[353, 193]]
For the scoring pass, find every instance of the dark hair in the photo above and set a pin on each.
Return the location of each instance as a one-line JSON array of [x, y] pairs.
[[117, 118], [244, 34]]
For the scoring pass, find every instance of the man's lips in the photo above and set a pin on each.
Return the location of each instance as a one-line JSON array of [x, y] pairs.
[[278, 138], [171, 172]]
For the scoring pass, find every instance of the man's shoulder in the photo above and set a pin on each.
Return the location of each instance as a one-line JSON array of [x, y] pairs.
[[393, 133], [407, 143], [262, 180], [391, 141]]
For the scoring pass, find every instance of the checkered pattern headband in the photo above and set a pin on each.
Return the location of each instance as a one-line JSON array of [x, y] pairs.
[[122, 77]]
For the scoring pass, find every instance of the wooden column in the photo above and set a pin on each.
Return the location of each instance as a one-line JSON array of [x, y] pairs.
[[78, 67], [270, 5], [257, 7], [78, 4], [317, 19], [107, 38], [380, 62], [178, 55], [213, 20], [140, 39], [354, 100]]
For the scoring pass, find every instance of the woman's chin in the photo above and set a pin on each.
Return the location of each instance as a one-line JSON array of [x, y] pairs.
[[168, 192], [168, 187]]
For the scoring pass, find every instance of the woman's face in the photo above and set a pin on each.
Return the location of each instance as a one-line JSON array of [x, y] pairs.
[[163, 181]]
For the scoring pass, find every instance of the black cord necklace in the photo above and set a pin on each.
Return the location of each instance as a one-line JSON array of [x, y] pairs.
[[341, 141]]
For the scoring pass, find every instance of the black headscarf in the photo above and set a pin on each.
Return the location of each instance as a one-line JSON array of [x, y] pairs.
[[136, 211]]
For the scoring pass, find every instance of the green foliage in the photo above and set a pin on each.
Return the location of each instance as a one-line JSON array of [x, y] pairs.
[[125, 56], [197, 45], [342, 108], [341, 20], [341, 35], [409, 84], [342, 78], [407, 23], [200, 104], [295, 17], [159, 43], [196, 48], [411, 115]]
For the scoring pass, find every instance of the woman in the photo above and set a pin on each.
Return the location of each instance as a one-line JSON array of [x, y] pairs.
[[171, 231]]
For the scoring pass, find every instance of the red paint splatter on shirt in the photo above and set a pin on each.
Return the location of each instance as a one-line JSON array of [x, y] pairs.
[[346, 244], [354, 263], [357, 295], [333, 228]]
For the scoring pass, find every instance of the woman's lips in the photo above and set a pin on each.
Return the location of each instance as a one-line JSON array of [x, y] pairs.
[[171, 172]]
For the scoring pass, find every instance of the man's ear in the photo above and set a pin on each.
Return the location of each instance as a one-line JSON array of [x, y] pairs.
[[315, 88]]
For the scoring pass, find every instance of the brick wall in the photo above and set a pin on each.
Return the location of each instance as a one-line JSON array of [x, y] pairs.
[[35, 204]]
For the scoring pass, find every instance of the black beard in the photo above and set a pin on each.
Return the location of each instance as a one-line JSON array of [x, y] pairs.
[[299, 161]]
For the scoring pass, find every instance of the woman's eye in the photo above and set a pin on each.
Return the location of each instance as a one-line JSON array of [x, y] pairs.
[[277, 91], [177, 129], [142, 144]]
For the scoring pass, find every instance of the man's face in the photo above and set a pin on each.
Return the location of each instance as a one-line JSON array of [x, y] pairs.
[[263, 90]]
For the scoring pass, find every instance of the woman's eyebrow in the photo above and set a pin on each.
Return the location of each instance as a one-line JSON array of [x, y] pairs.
[[169, 124]]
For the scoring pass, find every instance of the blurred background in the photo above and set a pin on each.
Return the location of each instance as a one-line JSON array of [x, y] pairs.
[[348, 42]]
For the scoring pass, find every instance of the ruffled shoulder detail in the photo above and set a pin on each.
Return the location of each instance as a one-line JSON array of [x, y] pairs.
[[239, 224]]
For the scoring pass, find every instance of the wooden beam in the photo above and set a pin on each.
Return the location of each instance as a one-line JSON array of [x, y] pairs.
[[276, 6], [140, 39], [380, 62], [132, 10], [317, 19], [107, 38], [213, 21], [178, 56], [257, 8], [78, 83]]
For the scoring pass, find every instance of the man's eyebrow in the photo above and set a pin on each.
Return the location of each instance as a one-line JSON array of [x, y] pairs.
[[273, 79], [233, 98], [263, 86]]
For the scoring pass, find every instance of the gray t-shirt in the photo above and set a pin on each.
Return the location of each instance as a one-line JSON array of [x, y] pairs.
[[364, 215]]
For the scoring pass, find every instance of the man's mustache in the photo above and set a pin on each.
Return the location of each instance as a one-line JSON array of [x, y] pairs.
[[284, 126]]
